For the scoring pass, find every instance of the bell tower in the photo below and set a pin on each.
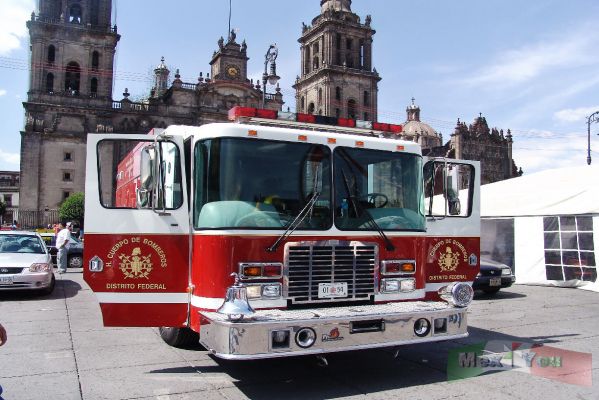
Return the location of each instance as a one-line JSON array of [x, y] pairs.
[[337, 78], [72, 50]]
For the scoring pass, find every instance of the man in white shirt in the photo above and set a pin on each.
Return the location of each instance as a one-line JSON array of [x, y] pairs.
[[62, 244]]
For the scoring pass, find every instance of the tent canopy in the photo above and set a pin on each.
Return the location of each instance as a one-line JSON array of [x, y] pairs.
[[563, 191]]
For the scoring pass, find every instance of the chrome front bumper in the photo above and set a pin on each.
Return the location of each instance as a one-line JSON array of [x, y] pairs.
[[336, 329]]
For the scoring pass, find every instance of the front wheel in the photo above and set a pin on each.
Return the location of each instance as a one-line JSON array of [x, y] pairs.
[[179, 337]]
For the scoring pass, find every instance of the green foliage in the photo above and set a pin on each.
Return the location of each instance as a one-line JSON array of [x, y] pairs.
[[72, 209]]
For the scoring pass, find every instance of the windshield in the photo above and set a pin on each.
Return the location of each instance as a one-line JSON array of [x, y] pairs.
[[21, 244], [260, 184], [378, 185]]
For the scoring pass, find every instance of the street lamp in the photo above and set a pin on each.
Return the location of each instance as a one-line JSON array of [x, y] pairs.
[[594, 117], [272, 78]]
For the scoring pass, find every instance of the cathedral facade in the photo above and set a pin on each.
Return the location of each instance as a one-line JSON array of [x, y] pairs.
[[70, 96], [73, 45]]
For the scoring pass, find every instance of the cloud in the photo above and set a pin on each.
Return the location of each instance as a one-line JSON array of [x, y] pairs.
[[12, 159], [542, 153], [517, 66], [2, 92], [575, 114], [13, 15]]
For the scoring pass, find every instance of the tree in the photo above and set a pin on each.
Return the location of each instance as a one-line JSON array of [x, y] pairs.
[[72, 209]]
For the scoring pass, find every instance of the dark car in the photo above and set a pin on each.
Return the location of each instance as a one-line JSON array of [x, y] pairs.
[[74, 253], [493, 276]]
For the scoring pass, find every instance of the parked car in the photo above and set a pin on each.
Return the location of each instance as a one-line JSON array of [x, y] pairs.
[[25, 262], [74, 253], [493, 276]]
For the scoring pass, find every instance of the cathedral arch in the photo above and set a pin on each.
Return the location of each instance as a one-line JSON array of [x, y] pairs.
[[93, 86], [51, 54], [50, 83], [311, 108], [95, 60], [75, 14], [351, 109], [72, 79]]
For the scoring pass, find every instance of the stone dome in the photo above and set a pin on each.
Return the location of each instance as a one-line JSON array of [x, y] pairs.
[[418, 131]]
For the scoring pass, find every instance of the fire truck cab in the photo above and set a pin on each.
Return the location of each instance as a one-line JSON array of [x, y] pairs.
[[276, 236]]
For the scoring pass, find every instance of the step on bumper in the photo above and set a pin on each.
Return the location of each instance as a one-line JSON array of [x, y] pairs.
[[283, 333]]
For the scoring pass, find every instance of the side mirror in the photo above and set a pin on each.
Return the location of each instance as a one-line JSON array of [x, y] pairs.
[[146, 177]]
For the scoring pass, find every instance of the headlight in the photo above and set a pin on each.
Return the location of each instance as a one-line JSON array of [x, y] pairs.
[[460, 294], [39, 267], [398, 285], [271, 291], [506, 271]]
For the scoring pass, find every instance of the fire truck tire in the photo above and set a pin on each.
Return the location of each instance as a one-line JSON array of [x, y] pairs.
[[179, 337]]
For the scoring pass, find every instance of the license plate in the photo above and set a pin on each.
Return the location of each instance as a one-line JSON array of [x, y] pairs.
[[495, 282], [5, 280], [332, 290]]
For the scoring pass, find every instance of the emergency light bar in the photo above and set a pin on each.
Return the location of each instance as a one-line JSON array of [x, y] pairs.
[[237, 113]]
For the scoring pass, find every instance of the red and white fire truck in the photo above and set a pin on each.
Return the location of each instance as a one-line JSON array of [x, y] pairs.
[[278, 236]]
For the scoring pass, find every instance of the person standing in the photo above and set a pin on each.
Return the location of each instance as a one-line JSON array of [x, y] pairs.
[[62, 244]]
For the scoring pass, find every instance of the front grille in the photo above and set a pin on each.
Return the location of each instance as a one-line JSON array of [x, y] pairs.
[[308, 264], [10, 270]]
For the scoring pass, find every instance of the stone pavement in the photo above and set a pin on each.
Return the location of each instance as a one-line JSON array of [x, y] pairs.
[[58, 349]]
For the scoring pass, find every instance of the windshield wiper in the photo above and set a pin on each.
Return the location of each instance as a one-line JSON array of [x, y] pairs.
[[300, 217], [359, 210]]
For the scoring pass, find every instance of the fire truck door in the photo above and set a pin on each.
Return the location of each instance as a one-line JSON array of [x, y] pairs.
[[136, 254], [452, 207]]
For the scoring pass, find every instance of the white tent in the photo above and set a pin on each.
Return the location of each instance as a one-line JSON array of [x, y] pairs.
[[546, 225]]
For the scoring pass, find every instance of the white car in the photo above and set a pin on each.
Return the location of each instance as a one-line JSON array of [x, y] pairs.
[[25, 262]]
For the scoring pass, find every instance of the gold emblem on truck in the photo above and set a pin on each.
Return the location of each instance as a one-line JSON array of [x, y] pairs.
[[136, 265], [449, 260]]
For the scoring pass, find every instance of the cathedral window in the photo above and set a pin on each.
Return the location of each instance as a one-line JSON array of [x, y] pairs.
[[303, 104], [94, 87], [361, 54], [66, 177], [316, 63], [95, 60], [72, 78], [320, 96], [75, 14], [50, 83], [311, 108], [366, 98], [337, 93], [338, 42], [351, 109], [366, 116], [349, 44], [51, 54], [307, 60]]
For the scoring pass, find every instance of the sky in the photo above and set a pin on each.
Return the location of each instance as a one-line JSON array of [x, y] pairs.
[[529, 66]]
